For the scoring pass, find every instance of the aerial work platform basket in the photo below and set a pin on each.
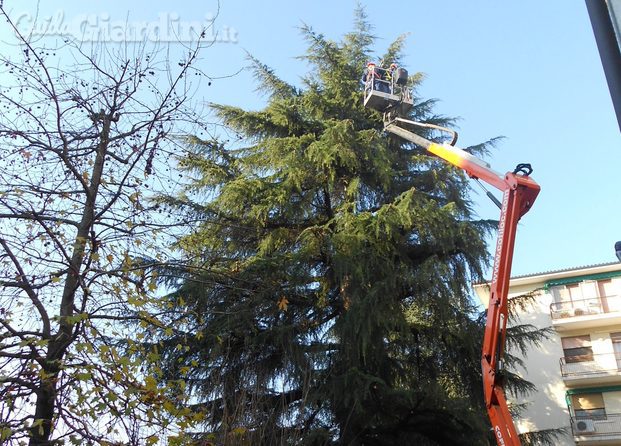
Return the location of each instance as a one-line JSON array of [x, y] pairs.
[[386, 89]]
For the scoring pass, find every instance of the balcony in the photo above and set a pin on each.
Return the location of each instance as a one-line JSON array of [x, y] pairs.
[[600, 431], [598, 369], [586, 313]]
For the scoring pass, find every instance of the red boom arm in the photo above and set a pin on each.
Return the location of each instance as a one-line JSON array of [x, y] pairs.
[[519, 193]]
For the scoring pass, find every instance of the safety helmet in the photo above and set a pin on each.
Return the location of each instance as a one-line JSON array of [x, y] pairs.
[[393, 65], [370, 64]]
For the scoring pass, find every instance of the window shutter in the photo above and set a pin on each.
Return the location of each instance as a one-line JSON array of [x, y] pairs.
[[576, 342], [587, 401]]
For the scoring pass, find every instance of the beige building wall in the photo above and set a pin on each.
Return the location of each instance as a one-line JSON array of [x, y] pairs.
[[547, 408]]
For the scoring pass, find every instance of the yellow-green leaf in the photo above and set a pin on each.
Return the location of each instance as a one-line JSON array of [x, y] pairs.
[[283, 303]]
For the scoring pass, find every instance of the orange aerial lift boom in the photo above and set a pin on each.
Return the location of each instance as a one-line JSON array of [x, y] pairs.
[[389, 94], [519, 193]]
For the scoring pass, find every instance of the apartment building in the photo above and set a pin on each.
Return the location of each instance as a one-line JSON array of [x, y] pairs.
[[577, 371]]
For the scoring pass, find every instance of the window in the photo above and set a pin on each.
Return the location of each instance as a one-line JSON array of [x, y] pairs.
[[587, 297], [566, 294], [616, 347], [609, 293], [607, 288], [589, 405], [577, 349]]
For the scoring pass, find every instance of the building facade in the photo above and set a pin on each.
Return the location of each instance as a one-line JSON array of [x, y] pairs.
[[577, 370]]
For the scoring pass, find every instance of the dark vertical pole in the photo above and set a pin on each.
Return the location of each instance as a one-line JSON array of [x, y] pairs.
[[604, 22]]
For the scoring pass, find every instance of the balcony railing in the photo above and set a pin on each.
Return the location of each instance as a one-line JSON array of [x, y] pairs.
[[604, 363], [604, 427], [584, 307]]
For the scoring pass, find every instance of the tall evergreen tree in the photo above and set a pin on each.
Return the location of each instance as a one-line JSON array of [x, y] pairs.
[[328, 296]]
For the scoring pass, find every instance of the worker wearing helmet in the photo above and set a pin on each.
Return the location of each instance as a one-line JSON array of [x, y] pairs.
[[377, 76], [391, 70], [390, 75], [369, 72]]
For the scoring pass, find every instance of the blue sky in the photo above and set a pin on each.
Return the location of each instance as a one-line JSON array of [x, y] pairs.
[[527, 70]]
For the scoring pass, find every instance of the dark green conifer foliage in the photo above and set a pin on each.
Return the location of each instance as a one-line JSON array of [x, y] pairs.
[[328, 298]]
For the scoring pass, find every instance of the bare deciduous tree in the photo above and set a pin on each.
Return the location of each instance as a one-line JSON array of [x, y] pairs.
[[85, 138]]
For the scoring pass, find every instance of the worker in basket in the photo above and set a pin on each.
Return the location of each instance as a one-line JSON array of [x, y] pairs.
[[385, 89], [377, 77]]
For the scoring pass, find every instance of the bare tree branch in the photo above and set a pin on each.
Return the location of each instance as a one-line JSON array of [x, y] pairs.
[[85, 145]]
